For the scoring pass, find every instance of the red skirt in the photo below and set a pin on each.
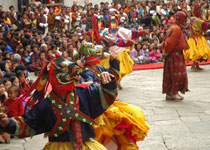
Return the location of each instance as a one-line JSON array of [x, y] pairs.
[[175, 74]]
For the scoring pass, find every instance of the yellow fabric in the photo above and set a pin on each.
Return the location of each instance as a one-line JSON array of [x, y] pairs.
[[87, 145], [7, 21], [197, 26], [197, 50], [121, 113], [126, 63]]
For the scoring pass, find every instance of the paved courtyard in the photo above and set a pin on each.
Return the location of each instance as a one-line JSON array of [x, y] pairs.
[[174, 125]]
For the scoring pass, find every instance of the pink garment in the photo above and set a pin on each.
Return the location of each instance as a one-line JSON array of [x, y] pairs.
[[154, 56]]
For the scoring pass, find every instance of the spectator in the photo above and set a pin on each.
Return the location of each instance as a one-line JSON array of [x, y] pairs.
[[40, 63], [155, 55], [15, 110]]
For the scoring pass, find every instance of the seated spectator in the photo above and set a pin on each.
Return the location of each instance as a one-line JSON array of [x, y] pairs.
[[13, 97], [6, 47], [3, 93], [134, 25], [26, 58], [34, 57], [40, 63], [14, 81], [155, 55], [4, 66], [6, 83], [49, 55], [24, 84]]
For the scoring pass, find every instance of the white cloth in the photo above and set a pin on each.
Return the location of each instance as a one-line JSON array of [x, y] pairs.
[[116, 49], [58, 18], [124, 33], [41, 25]]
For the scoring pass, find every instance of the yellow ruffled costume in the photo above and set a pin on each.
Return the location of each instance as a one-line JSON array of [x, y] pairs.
[[126, 122], [126, 63], [87, 145], [198, 47]]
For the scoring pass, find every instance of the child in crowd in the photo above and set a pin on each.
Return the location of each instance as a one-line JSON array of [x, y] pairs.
[[3, 93], [15, 110], [40, 63], [6, 83], [24, 84], [155, 55], [4, 137], [26, 58], [50, 55], [14, 81]]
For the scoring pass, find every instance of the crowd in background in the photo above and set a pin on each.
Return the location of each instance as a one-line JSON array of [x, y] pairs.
[[30, 38]]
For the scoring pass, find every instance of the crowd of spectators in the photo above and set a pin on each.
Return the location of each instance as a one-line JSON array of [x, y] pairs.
[[30, 38]]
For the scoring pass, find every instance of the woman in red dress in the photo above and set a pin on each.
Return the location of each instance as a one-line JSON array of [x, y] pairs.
[[175, 75]]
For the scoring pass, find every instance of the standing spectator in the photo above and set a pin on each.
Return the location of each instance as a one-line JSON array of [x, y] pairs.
[[42, 22], [51, 20]]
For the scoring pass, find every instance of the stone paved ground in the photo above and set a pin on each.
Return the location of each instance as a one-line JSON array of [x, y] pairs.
[[174, 125]]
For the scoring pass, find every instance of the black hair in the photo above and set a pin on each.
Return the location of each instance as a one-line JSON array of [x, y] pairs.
[[41, 53], [9, 74], [20, 67], [15, 88], [11, 6], [12, 79], [4, 80], [19, 73]]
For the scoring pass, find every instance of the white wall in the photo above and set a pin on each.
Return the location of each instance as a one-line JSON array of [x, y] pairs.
[[7, 3]]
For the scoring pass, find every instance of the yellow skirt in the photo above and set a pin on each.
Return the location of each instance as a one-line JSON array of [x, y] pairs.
[[125, 121], [197, 51], [87, 145], [126, 63]]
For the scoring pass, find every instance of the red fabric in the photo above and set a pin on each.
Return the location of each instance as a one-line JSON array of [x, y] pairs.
[[205, 26], [92, 60], [160, 65], [17, 110], [94, 21], [175, 74], [128, 129], [24, 87], [197, 10], [175, 41]]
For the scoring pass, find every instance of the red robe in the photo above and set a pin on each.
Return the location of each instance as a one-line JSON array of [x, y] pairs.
[[175, 74]]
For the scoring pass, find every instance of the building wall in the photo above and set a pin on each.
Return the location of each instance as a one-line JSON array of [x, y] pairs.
[[7, 3]]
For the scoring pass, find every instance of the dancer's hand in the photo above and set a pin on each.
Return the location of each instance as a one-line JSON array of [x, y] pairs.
[[4, 121], [106, 77]]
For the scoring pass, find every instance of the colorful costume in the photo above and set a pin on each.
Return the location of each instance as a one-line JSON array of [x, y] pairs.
[[121, 45], [122, 120], [198, 47], [67, 112], [175, 74]]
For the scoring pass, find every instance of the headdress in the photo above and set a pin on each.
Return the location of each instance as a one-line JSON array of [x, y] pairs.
[[197, 10], [181, 17], [91, 53]]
